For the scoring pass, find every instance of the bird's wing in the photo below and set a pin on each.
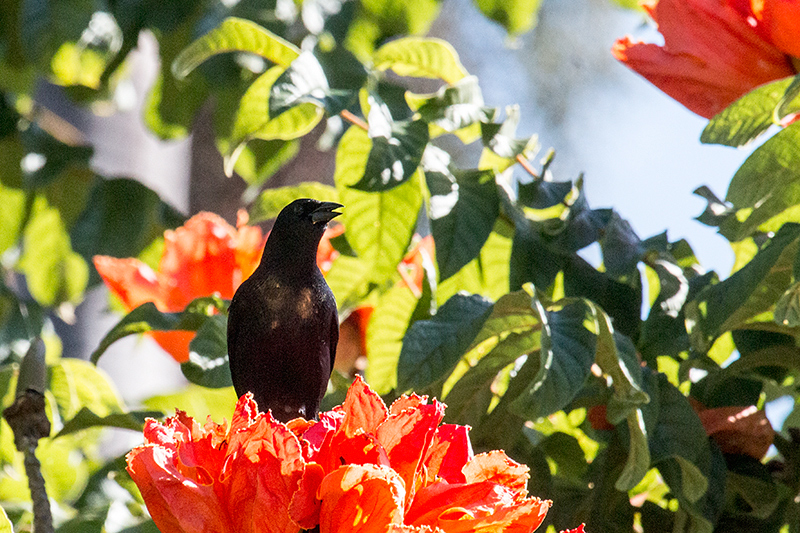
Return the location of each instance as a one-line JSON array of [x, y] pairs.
[[334, 327]]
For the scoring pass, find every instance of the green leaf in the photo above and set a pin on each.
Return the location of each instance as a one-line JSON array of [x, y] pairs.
[[766, 185], [86, 418], [746, 118], [53, 271], [463, 208], [5, 523], [616, 356], [638, 462], [751, 290], [271, 201], [487, 274], [565, 361], [349, 279], [235, 35], [121, 219], [420, 58], [516, 16], [501, 148], [208, 355], [787, 310], [512, 329], [470, 397], [259, 160], [432, 348], [147, 317], [379, 225], [305, 82], [396, 152], [788, 104], [12, 215], [253, 120], [454, 108], [198, 402], [387, 327], [76, 384]]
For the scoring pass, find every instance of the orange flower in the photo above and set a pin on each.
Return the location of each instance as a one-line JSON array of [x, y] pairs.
[[715, 51], [205, 256], [361, 468]]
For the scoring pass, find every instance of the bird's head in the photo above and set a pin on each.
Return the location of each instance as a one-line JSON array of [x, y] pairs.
[[301, 223]]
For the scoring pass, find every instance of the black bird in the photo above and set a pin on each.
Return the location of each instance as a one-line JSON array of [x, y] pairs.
[[282, 322]]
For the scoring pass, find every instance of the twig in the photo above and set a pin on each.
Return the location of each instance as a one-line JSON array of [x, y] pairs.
[[352, 119], [28, 420], [527, 166]]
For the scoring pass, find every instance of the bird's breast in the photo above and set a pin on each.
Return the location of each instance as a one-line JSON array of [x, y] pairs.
[[284, 300]]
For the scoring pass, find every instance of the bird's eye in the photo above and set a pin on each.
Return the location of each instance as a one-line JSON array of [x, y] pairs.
[[298, 210]]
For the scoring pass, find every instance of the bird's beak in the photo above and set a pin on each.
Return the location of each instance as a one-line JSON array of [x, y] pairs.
[[325, 212]]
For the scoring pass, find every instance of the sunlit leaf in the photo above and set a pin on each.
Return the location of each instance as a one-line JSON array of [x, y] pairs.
[[453, 109], [396, 152], [487, 274], [76, 384], [751, 290], [305, 82], [53, 271], [501, 148], [387, 327], [767, 183], [235, 35], [198, 402], [379, 225], [422, 58], [746, 118]]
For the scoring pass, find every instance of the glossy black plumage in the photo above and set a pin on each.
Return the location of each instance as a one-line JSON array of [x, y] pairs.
[[282, 322]]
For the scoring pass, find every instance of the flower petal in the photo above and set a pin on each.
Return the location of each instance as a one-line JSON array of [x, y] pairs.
[[711, 54], [262, 471], [364, 409], [781, 20], [176, 504], [133, 282], [448, 453], [305, 507], [406, 437], [475, 507], [199, 260], [360, 499], [497, 467]]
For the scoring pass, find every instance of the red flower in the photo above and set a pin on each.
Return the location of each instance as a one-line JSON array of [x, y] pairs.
[[715, 51], [362, 467], [205, 256]]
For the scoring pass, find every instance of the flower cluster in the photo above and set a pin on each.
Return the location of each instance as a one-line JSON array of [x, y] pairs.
[[715, 51], [362, 467]]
